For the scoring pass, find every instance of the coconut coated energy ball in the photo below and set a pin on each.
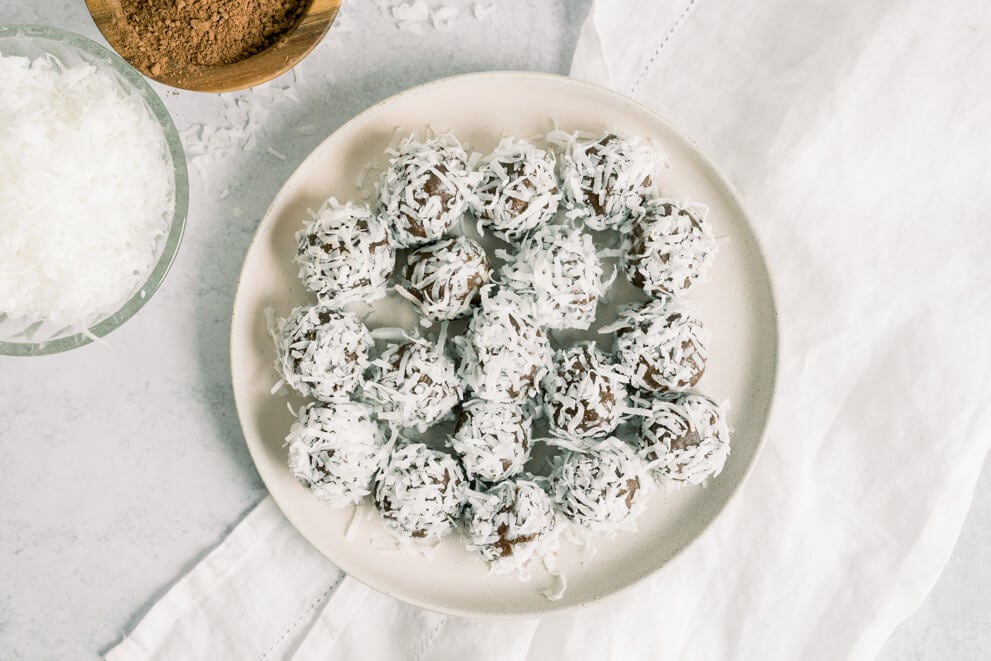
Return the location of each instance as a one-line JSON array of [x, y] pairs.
[[518, 190], [604, 178], [413, 385], [558, 271], [420, 492], [492, 439], [602, 489], [335, 451], [344, 253], [511, 524], [685, 440], [584, 395], [667, 248], [660, 345], [426, 189], [321, 352], [444, 278], [504, 352]]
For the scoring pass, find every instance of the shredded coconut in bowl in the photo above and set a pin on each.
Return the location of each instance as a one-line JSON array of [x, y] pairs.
[[87, 191]]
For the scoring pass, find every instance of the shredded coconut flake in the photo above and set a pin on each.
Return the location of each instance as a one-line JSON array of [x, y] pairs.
[[482, 12], [559, 585], [443, 18]]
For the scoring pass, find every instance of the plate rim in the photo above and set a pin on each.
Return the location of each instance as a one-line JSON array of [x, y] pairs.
[[553, 607]]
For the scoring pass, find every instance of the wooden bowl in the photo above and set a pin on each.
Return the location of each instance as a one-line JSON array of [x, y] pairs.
[[275, 60]]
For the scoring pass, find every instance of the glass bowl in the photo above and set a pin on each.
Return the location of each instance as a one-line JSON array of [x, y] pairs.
[[21, 338]]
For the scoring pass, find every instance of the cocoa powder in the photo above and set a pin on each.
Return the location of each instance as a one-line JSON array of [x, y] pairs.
[[172, 37]]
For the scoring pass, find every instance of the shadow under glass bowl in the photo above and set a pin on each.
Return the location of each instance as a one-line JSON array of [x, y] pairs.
[[20, 338]]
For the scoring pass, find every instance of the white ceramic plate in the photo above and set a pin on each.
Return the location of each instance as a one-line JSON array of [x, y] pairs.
[[735, 305]]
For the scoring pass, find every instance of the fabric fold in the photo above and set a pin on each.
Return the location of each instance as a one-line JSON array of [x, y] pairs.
[[360, 623], [254, 596]]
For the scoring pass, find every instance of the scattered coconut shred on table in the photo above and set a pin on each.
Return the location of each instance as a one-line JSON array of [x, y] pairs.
[[414, 16], [86, 192]]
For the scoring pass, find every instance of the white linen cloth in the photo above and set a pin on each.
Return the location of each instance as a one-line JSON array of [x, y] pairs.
[[858, 135]]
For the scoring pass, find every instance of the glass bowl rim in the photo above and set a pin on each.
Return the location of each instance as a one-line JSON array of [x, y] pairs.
[[94, 51]]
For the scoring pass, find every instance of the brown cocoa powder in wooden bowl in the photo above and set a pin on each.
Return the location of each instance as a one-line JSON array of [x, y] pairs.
[[213, 45]]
